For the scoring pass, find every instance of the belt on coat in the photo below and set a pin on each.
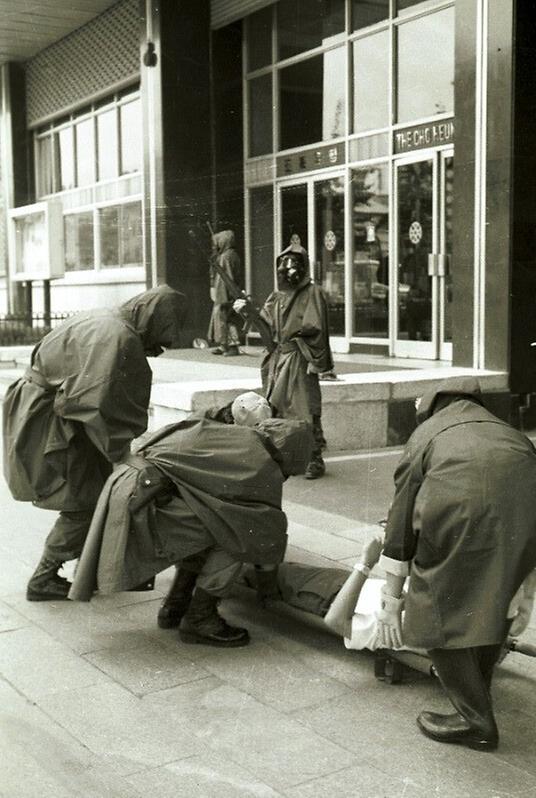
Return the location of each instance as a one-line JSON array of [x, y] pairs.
[[288, 346], [31, 375]]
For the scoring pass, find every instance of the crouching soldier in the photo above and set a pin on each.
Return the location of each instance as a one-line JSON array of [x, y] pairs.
[[202, 495]]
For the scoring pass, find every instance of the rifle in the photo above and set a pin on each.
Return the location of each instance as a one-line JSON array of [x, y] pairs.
[[250, 314]]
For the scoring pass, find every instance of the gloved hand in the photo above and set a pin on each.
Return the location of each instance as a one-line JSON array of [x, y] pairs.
[[390, 621], [239, 305]]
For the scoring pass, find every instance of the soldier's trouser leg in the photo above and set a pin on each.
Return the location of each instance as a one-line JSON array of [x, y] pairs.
[[316, 467], [219, 572], [465, 683], [64, 542], [68, 535]]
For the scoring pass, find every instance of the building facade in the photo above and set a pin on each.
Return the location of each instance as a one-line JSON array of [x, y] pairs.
[[390, 138]]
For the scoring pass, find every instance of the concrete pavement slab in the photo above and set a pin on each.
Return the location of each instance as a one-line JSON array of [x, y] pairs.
[[331, 546], [390, 741], [147, 666], [208, 776], [10, 619], [41, 760], [275, 677], [116, 725], [275, 748], [362, 781], [37, 665]]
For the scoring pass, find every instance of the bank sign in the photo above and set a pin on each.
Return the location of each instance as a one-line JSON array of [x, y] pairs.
[[432, 134]]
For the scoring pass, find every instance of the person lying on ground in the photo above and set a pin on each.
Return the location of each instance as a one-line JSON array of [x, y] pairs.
[[201, 494], [353, 606]]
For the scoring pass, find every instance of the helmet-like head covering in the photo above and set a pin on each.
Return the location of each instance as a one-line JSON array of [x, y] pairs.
[[292, 267], [224, 240], [157, 316], [250, 409], [448, 391], [290, 443]]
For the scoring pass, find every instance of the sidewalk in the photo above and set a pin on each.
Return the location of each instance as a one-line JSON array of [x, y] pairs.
[[97, 702]]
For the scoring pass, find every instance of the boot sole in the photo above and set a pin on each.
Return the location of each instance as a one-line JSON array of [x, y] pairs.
[[193, 638], [168, 623], [31, 596], [476, 745]]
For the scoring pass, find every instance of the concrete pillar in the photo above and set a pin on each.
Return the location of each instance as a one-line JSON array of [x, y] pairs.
[[15, 163], [175, 86]]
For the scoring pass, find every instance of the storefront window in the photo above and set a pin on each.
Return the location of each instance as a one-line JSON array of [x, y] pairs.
[[79, 251], [261, 241], [426, 66], [107, 145], [304, 24], [329, 243], [85, 153], [371, 82], [131, 137], [312, 100], [403, 5], [120, 235], [370, 253], [260, 116], [109, 236], [45, 161], [259, 38], [66, 159], [131, 235], [368, 12]]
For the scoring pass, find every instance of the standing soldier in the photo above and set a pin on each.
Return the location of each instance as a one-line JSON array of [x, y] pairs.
[[298, 319], [73, 414], [221, 329]]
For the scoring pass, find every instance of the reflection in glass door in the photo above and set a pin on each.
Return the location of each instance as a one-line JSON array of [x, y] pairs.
[[423, 213], [329, 269], [415, 241], [294, 215]]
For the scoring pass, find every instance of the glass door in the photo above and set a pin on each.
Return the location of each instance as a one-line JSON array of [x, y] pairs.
[[423, 244], [311, 214]]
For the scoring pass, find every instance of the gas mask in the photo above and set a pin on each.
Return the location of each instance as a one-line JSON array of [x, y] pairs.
[[290, 269]]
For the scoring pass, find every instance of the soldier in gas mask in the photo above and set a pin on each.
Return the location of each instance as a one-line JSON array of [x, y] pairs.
[[298, 317]]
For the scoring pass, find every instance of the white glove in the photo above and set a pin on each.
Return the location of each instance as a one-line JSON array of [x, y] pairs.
[[390, 621], [239, 305]]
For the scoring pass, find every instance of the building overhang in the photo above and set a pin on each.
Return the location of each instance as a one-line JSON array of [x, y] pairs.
[[29, 26]]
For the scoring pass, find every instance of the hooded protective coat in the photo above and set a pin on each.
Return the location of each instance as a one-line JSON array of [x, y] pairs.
[[464, 516], [194, 485], [83, 400], [299, 323]]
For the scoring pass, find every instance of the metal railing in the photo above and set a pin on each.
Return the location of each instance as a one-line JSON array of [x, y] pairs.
[[18, 329]]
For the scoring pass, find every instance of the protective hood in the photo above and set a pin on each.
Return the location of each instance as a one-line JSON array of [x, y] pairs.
[[157, 316], [445, 393], [290, 443], [224, 240]]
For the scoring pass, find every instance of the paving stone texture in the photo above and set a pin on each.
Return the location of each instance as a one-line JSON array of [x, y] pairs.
[[97, 702]]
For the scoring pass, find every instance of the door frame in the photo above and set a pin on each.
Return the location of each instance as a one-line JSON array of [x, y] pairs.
[[435, 349]]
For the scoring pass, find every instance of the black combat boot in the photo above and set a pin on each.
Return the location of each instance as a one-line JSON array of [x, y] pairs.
[[316, 467], [473, 724], [177, 600], [45, 583], [203, 624]]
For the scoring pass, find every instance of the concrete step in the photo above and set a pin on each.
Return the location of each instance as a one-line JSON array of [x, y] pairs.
[[359, 411]]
